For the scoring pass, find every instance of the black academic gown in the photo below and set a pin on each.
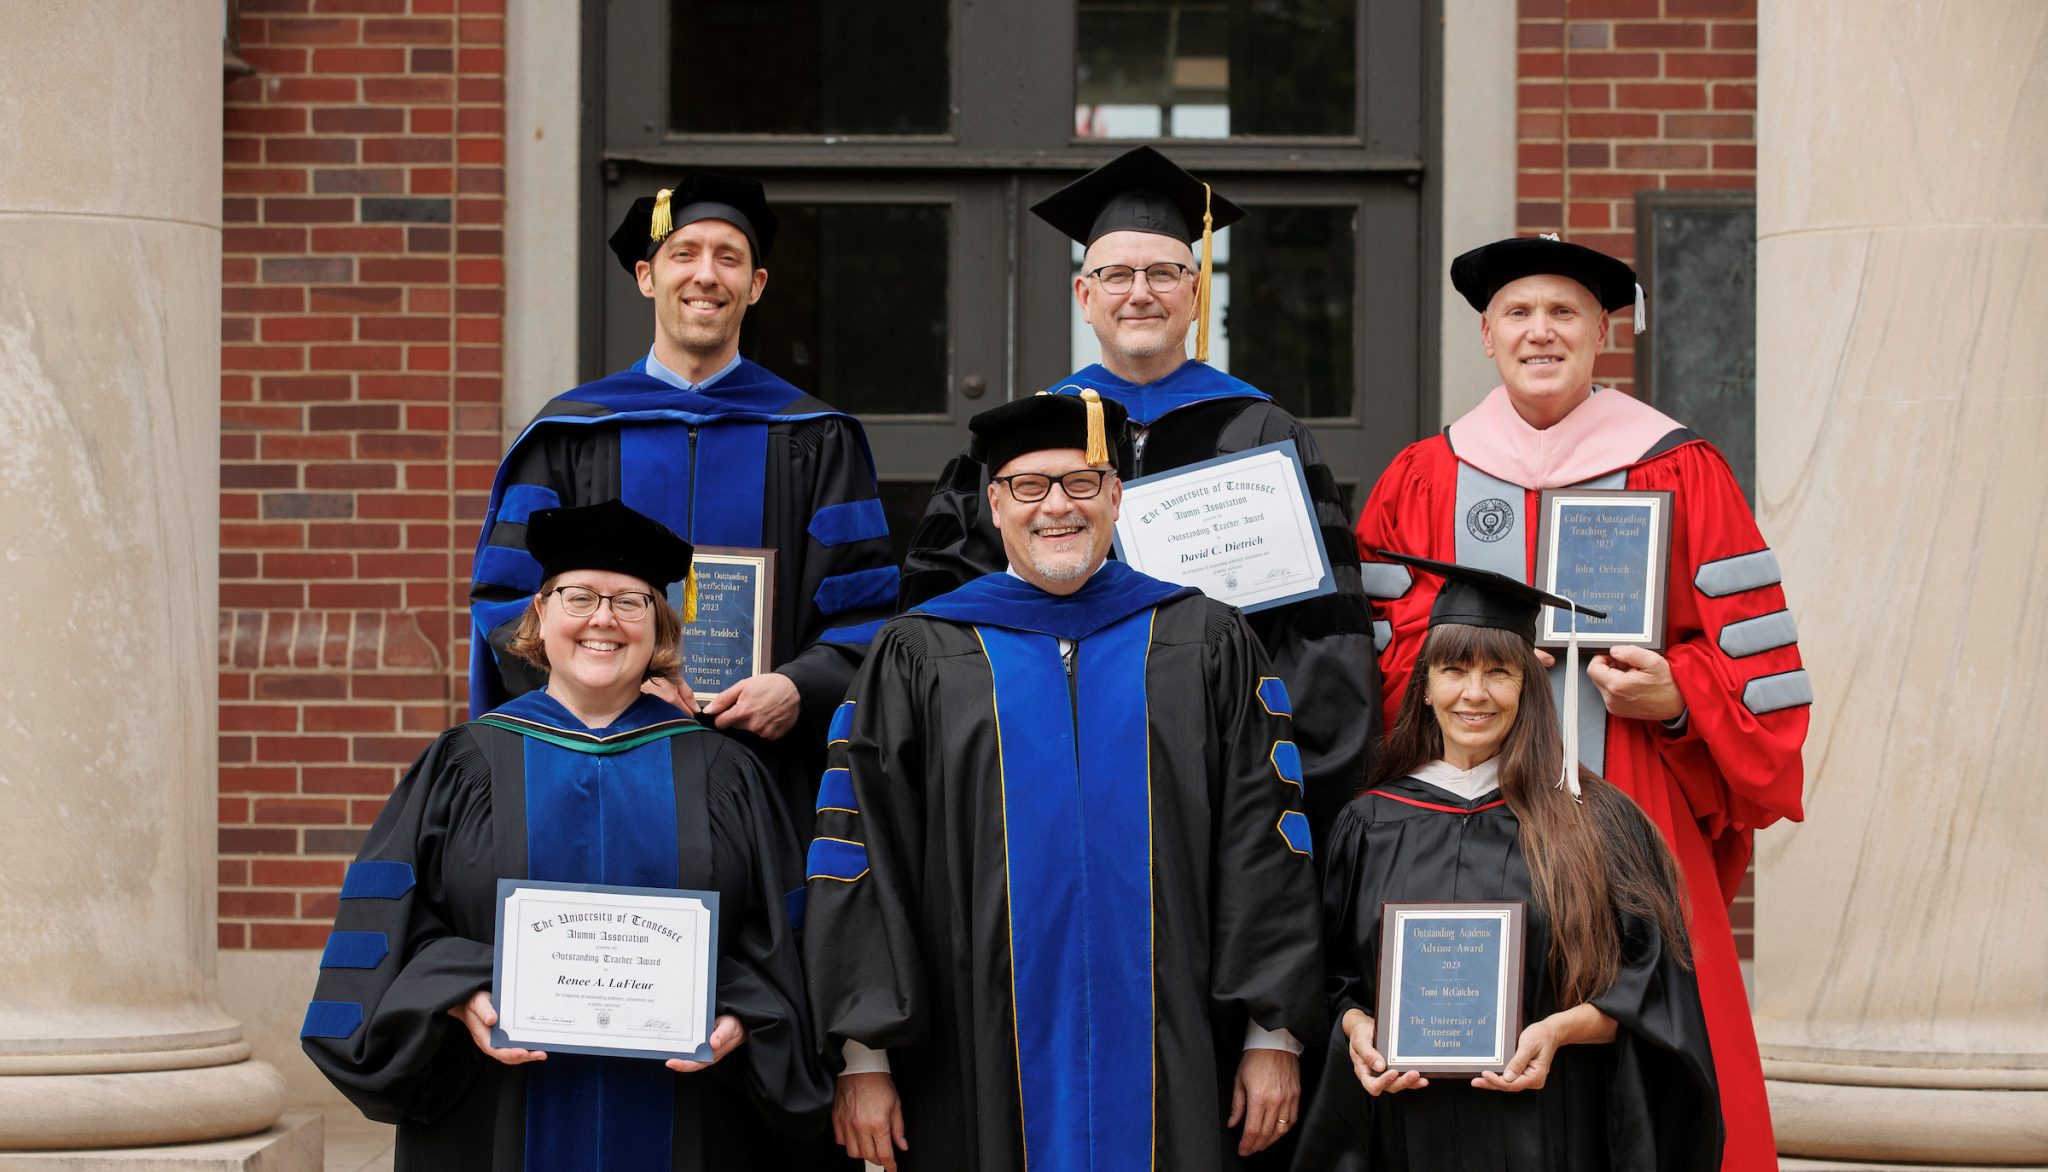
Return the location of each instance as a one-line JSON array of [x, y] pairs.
[[1645, 1101], [425, 887], [1322, 647], [816, 497], [933, 820]]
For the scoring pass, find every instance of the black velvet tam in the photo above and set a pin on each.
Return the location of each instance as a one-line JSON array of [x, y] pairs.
[[1485, 270], [608, 536]]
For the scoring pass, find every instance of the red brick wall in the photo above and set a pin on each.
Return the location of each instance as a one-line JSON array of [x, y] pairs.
[[1616, 96], [362, 288]]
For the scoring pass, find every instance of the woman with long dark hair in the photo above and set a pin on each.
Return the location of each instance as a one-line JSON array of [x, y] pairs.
[[1469, 802]]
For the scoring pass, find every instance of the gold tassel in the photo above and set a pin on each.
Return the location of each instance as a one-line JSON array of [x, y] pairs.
[[660, 226], [690, 595], [1202, 288], [1098, 432]]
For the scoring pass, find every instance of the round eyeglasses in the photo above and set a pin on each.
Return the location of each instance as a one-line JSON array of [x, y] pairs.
[[628, 606], [1079, 485], [1163, 277]]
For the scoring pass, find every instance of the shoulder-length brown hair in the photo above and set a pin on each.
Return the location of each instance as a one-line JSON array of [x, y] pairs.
[[1589, 862], [667, 659]]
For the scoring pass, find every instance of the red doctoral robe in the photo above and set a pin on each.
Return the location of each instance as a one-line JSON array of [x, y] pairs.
[[1470, 495]]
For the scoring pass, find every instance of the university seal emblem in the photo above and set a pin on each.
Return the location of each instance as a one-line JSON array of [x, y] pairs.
[[1490, 519]]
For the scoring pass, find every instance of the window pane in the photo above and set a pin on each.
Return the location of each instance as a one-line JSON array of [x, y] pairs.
[[1283, 291], [1214, 68], [855, 308], [809, 67]]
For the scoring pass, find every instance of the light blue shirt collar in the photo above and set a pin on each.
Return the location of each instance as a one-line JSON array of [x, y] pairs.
[[657, 370]]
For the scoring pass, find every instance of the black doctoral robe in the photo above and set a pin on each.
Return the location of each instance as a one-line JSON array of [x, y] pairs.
[[417, 921], [696, 462], [1040, 892], [1323, 647], [1645, 1101]]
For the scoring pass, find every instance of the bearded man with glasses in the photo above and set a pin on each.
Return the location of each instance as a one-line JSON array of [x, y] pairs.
[[1140, 288], [1061, 896]]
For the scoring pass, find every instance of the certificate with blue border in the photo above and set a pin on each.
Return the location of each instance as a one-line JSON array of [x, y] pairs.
[[1240, 528], [587, 968], [1450, 985], [1608, 549], [733, 637]]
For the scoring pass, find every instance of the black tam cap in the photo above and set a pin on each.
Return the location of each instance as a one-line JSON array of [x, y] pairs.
[[1482, 272], [1482, 598], [1087, 421], [1140, 190], [608, 536], [699, 196]]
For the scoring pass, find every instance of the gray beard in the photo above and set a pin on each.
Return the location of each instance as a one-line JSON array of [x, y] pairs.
[[1063, 573]]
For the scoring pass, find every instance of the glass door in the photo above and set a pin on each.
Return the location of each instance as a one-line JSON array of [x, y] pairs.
[[903, 145]]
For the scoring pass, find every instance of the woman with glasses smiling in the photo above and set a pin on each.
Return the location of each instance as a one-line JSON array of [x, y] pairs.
[[588, 780]]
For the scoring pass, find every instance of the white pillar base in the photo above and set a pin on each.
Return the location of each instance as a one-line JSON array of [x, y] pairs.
[[41, 1112], [292, 1144]]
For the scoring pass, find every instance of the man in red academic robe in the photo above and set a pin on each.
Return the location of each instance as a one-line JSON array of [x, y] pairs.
[[1705, 736]]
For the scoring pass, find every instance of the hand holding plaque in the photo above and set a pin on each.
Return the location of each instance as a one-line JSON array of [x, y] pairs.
[[1450, 985], [733, 635], [1608, 549], [595, 969]]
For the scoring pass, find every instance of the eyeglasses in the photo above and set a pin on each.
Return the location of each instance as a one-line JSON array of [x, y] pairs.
[[1081, 484], [1161, 278], [628, 606]]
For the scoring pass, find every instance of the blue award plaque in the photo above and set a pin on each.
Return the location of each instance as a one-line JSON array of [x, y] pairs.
[[732, 636], [1450, 985], [1609, 549]]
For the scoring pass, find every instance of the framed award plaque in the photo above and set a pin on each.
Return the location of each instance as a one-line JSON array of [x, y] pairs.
[[733, 636], [1609, 549], [1450, 985]]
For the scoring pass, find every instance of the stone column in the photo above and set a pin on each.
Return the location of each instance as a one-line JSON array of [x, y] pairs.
[[1902, 387], [109, 474]]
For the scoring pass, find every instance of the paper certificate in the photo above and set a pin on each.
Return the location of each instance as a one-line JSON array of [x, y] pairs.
[[1450, 985], [590, 969], [732, 637], [1608, 549], [1239, 528]]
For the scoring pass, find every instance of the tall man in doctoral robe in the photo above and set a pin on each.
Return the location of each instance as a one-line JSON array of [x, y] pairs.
[[1138, 216], [724, 453], [1061, 893], [1705, 736]]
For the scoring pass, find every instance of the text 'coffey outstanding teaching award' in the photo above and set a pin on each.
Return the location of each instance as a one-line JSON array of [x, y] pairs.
[[733, 635], [1239, 528], [1609, 549], [1450, 985], [587, 968]]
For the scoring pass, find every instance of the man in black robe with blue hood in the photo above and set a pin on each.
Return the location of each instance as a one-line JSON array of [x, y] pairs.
[[1138, 217], [1062, 905], [724, 453]]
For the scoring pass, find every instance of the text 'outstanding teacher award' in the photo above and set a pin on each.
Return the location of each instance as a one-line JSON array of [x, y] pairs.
[[589, 968]]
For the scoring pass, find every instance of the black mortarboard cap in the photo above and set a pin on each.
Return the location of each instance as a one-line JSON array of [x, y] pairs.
[[1087, 421], [609, 536], [1482, 272], [701, 195], [1140, 190], [1482, 598]]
